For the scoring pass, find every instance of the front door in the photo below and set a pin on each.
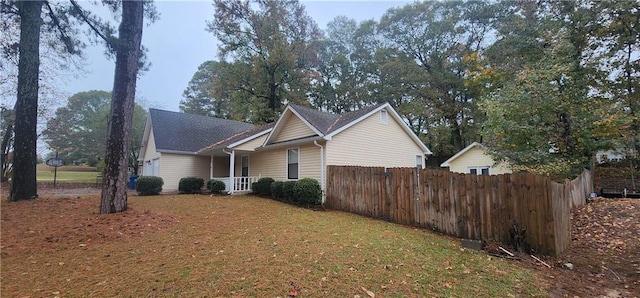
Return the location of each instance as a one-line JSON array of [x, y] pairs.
[[244, 172], [245, 166]]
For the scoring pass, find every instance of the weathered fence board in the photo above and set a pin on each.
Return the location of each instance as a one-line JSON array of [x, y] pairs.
[[466, 206]]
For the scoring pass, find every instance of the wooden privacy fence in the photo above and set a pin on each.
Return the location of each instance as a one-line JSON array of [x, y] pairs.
[[478, 207]]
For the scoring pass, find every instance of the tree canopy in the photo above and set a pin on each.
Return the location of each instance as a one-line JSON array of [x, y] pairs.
[[543, 84], [274, 47], [78, 132], [200, 96]]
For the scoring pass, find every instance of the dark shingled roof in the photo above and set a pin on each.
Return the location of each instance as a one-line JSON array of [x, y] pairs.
[[239, 136], [327, 122], [189, 133]]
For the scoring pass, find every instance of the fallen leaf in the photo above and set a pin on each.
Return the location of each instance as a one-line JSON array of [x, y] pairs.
[[371, 294]]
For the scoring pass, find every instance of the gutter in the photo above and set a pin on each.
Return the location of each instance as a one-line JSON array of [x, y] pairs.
[[322, 170], [290, 143]]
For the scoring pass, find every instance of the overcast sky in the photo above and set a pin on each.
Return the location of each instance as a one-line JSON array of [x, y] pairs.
[[178, 43]]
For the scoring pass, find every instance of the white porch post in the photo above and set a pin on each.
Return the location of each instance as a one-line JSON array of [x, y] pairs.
[[211, 167], [232, 161]]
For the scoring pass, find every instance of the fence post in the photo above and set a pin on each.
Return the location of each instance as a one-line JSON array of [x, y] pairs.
[[387, 199]]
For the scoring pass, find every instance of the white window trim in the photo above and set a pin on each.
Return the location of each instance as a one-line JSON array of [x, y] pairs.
[[479, 169], [384, 117], [155, 167], [286, 156], [421, 156]]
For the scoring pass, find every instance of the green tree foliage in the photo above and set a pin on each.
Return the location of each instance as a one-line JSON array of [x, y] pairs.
[[545, 84], [343, 85], [273, 46], [200, 96], [426, 72], [617, 45], [549, 112], [542, 121], [59, 23], [78, 132]]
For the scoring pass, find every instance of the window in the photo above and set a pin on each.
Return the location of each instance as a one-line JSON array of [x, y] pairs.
[[245, 166], [479, 170], [293, 162], [383, 116], [154, 167], [419, 163]]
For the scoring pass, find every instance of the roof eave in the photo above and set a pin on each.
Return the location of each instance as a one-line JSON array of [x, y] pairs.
[[278, 127], [249, 138], [447, 163], [395, 115], [290, 143]]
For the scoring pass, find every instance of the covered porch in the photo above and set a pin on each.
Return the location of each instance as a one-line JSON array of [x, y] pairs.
[[237, 185], [232, 168]]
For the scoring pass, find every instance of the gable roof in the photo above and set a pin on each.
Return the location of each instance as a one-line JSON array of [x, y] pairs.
[[187, 133], [240, 137], [326, 124], [448, 162]]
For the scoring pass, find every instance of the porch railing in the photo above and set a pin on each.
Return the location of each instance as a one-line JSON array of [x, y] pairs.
[[237, 184]]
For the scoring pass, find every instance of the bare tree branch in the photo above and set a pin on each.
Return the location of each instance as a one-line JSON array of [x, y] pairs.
[[68, 43], [109, 40]]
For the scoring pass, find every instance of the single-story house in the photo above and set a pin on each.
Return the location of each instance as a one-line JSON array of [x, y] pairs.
[[474, 159], [301, 143]]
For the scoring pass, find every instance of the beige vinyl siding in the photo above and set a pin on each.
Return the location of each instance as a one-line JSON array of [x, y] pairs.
[[253, 144], [371, 143], [150, 148], [149, 152], [273, 163], [293, 128], [176, 166], [476, 157], [309, 161], [268, 164]]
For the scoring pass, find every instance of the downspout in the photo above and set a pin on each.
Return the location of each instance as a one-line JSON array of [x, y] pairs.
[[232, 159], [322, 171], [211, 167]]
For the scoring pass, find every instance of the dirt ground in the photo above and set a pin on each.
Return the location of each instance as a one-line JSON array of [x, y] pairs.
[[604, 254]]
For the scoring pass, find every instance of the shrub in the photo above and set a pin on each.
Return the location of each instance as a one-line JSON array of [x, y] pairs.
[[215, 186], [190, 185], [307, 191], [149, 185], [288, 190], [263, 186], [276, 189]]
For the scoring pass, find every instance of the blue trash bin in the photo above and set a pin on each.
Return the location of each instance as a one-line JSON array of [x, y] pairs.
[[132, 181]]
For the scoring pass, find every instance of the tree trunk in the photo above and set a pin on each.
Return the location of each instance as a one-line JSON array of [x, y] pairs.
[[4, 151], [23, 184], [114, 187]]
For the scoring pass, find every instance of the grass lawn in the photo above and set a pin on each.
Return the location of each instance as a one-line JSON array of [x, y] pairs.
[[45, 174], [235, 246]]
